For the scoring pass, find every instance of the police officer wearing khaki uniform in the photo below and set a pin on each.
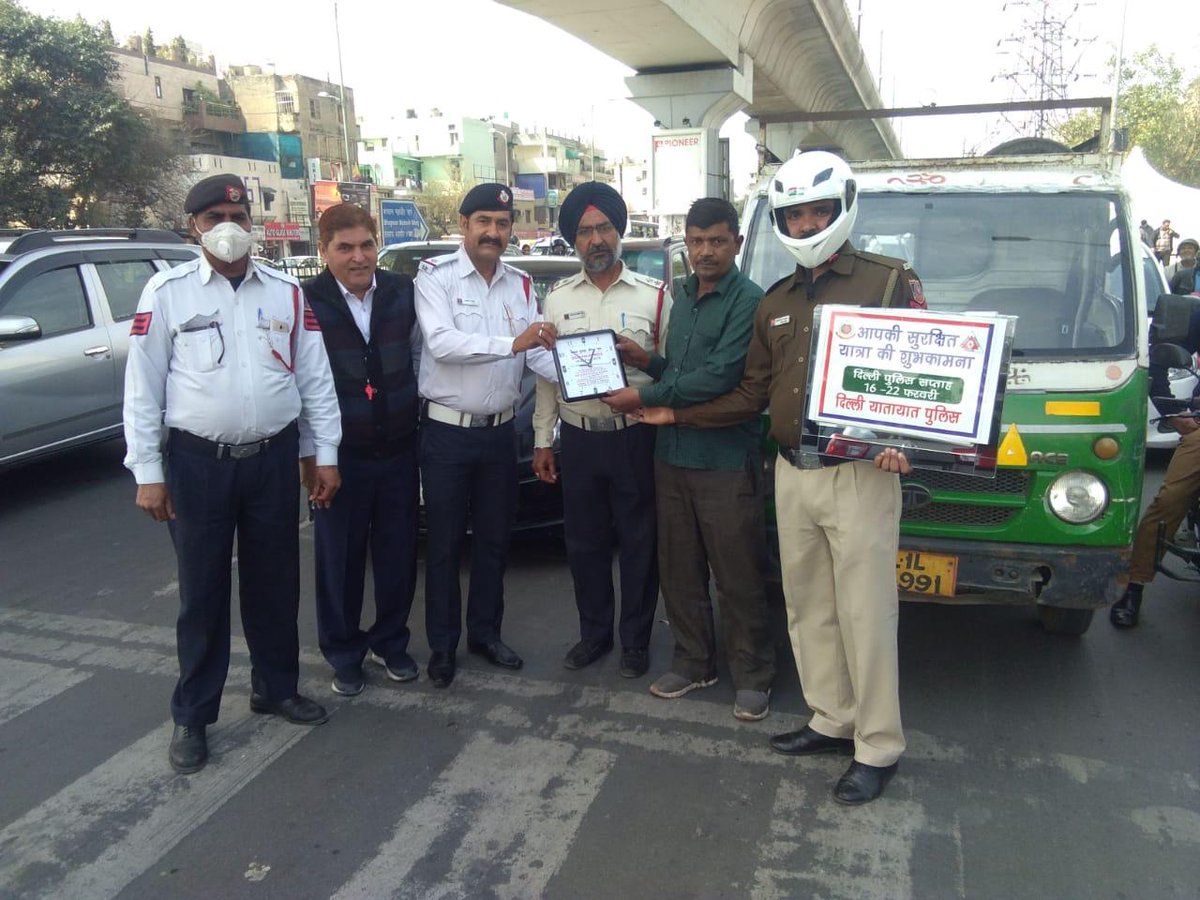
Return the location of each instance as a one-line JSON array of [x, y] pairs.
[[227, 359], [608, 459], [838, 520]]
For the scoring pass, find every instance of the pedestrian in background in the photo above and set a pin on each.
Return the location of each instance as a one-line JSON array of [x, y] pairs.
[[1164, 242], [479, 321], [369, 325], [707, 480], [228, 358], [608, 460], [838, 519]]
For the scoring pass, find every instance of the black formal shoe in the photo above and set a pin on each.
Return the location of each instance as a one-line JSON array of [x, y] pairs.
[[806, 742], [189, 749], [635, 661], [585, 653], [1124, 613], [296, 709], [441, 667], [497, 653], [862, 783]]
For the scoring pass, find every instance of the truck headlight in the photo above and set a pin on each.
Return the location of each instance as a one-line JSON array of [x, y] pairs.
[[1078, 497]]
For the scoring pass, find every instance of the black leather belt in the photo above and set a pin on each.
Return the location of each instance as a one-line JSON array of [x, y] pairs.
[[808, 458], [193, 443]]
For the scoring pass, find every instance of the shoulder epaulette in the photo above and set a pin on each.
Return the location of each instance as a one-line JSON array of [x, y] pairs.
[[186, 268], [648, 279], [780, 282]]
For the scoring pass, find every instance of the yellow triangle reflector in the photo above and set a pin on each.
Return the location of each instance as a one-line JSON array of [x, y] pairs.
[[1011, 451], [1072, 407]]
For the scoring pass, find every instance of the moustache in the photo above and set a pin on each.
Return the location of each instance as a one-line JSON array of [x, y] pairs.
[[489, 241]]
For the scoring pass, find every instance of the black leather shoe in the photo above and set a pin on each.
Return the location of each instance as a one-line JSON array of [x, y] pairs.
[[189, 749], [806, 742], [585, 653], [862, 783], [297, 710], [635, 661], [497, 653], [441, 667], [1124, 613]]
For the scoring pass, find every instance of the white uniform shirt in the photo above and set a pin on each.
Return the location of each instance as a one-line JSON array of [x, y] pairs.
[[360, 310], [467, 329], [635, 305], [218, 364]]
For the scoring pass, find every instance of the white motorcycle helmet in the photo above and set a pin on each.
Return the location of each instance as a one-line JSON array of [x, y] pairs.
[[809, 176]]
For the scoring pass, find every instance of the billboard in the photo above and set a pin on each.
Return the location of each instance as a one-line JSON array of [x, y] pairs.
[[329, 193], [677, 170]]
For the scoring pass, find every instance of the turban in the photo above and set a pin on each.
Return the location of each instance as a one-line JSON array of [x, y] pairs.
[[591, 193], [213, 190], [488, 197]]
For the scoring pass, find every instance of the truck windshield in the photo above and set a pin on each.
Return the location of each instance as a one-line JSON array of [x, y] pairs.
[[1054, 260]]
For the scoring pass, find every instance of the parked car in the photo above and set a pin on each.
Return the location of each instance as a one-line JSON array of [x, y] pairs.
[[66, 300], [405, 257], [301, 267], [263, 261]]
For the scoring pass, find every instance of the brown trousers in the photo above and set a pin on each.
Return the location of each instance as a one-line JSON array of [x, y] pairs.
[[1170, 505], [712, 518]]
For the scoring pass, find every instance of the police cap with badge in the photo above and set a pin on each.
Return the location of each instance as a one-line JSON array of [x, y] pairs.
[[213, 190], [488, 197]]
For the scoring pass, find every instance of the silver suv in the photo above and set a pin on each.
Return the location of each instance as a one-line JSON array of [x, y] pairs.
[[66, 302]]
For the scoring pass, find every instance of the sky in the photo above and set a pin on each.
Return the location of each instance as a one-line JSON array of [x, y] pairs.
[[479, 58]]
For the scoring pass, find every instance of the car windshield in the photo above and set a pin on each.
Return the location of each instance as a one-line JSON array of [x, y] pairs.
[[652, 262], [1053, 260], [406, 259]]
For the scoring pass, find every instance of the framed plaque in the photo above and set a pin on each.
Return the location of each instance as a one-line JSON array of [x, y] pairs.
[[589, 365]]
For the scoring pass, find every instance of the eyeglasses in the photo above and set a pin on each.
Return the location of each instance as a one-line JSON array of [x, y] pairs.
[[699, 243], [603, 230]]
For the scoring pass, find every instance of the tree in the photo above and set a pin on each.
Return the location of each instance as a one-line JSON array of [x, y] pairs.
[[439, 205], [1160, 108], [179, 49], [106, 32], [148, 46], [72, 152]]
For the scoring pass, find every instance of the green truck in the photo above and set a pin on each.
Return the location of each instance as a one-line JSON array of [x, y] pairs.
[[1046, 238]]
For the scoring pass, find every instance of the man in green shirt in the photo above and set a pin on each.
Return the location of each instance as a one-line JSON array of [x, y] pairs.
[[706, 480]]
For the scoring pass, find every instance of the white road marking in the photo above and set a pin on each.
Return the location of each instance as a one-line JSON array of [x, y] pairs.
[[517, 807], [818, 848], [24, 685], [98, 834], [1171, 825]]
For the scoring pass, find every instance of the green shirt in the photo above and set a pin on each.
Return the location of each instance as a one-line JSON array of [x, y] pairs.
[[705, 357]]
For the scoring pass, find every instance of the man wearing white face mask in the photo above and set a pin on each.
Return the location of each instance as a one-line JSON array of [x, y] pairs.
[[227, 362]]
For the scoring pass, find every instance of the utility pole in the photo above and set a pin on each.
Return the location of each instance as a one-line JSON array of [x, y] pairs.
[[337, 33]]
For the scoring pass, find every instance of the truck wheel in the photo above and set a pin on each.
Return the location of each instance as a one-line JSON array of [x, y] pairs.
[[1058, 620]]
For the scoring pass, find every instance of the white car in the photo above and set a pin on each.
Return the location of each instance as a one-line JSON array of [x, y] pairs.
[[1183, 382]]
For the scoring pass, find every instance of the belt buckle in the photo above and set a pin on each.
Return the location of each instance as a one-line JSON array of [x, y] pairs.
[[243, 451], [602, 424], [480, 421], [808, 459]]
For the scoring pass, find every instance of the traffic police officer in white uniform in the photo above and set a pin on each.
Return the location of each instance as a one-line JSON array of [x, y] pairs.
[[479, 326], [608, 486], [228, 364]]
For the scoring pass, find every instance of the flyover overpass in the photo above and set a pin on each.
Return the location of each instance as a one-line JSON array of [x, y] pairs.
[[698, 62]]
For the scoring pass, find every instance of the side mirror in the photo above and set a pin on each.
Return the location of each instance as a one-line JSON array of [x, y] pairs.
[[1170, 356], [19, 328]]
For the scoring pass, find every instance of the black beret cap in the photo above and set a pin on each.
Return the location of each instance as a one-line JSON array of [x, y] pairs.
[[591, 193], [490, 196], [213, 190]]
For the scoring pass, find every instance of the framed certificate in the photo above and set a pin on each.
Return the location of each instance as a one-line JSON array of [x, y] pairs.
[[588, 364]]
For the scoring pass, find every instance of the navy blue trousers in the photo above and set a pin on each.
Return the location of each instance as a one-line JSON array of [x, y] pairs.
[[608, 497], [258, 500], [469, 477], [375, 510]]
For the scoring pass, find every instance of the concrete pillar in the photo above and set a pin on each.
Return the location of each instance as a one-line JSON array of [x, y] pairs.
[[701, 98], [782, 139]]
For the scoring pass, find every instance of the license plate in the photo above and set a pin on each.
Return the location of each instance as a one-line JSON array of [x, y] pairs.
[[926, 573]]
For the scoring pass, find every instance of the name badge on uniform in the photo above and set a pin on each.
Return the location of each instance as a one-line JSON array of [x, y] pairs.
[[780, 320], [574, 315], [467, 301], [279, 326]]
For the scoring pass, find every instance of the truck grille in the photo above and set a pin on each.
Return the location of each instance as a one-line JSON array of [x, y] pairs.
[[1014, 483]]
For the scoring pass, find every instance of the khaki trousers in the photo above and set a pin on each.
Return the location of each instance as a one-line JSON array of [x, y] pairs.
[[838, 535], [1180, 484]]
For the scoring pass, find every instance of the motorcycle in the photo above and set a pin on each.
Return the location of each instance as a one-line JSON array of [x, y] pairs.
[[1183, 547]]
